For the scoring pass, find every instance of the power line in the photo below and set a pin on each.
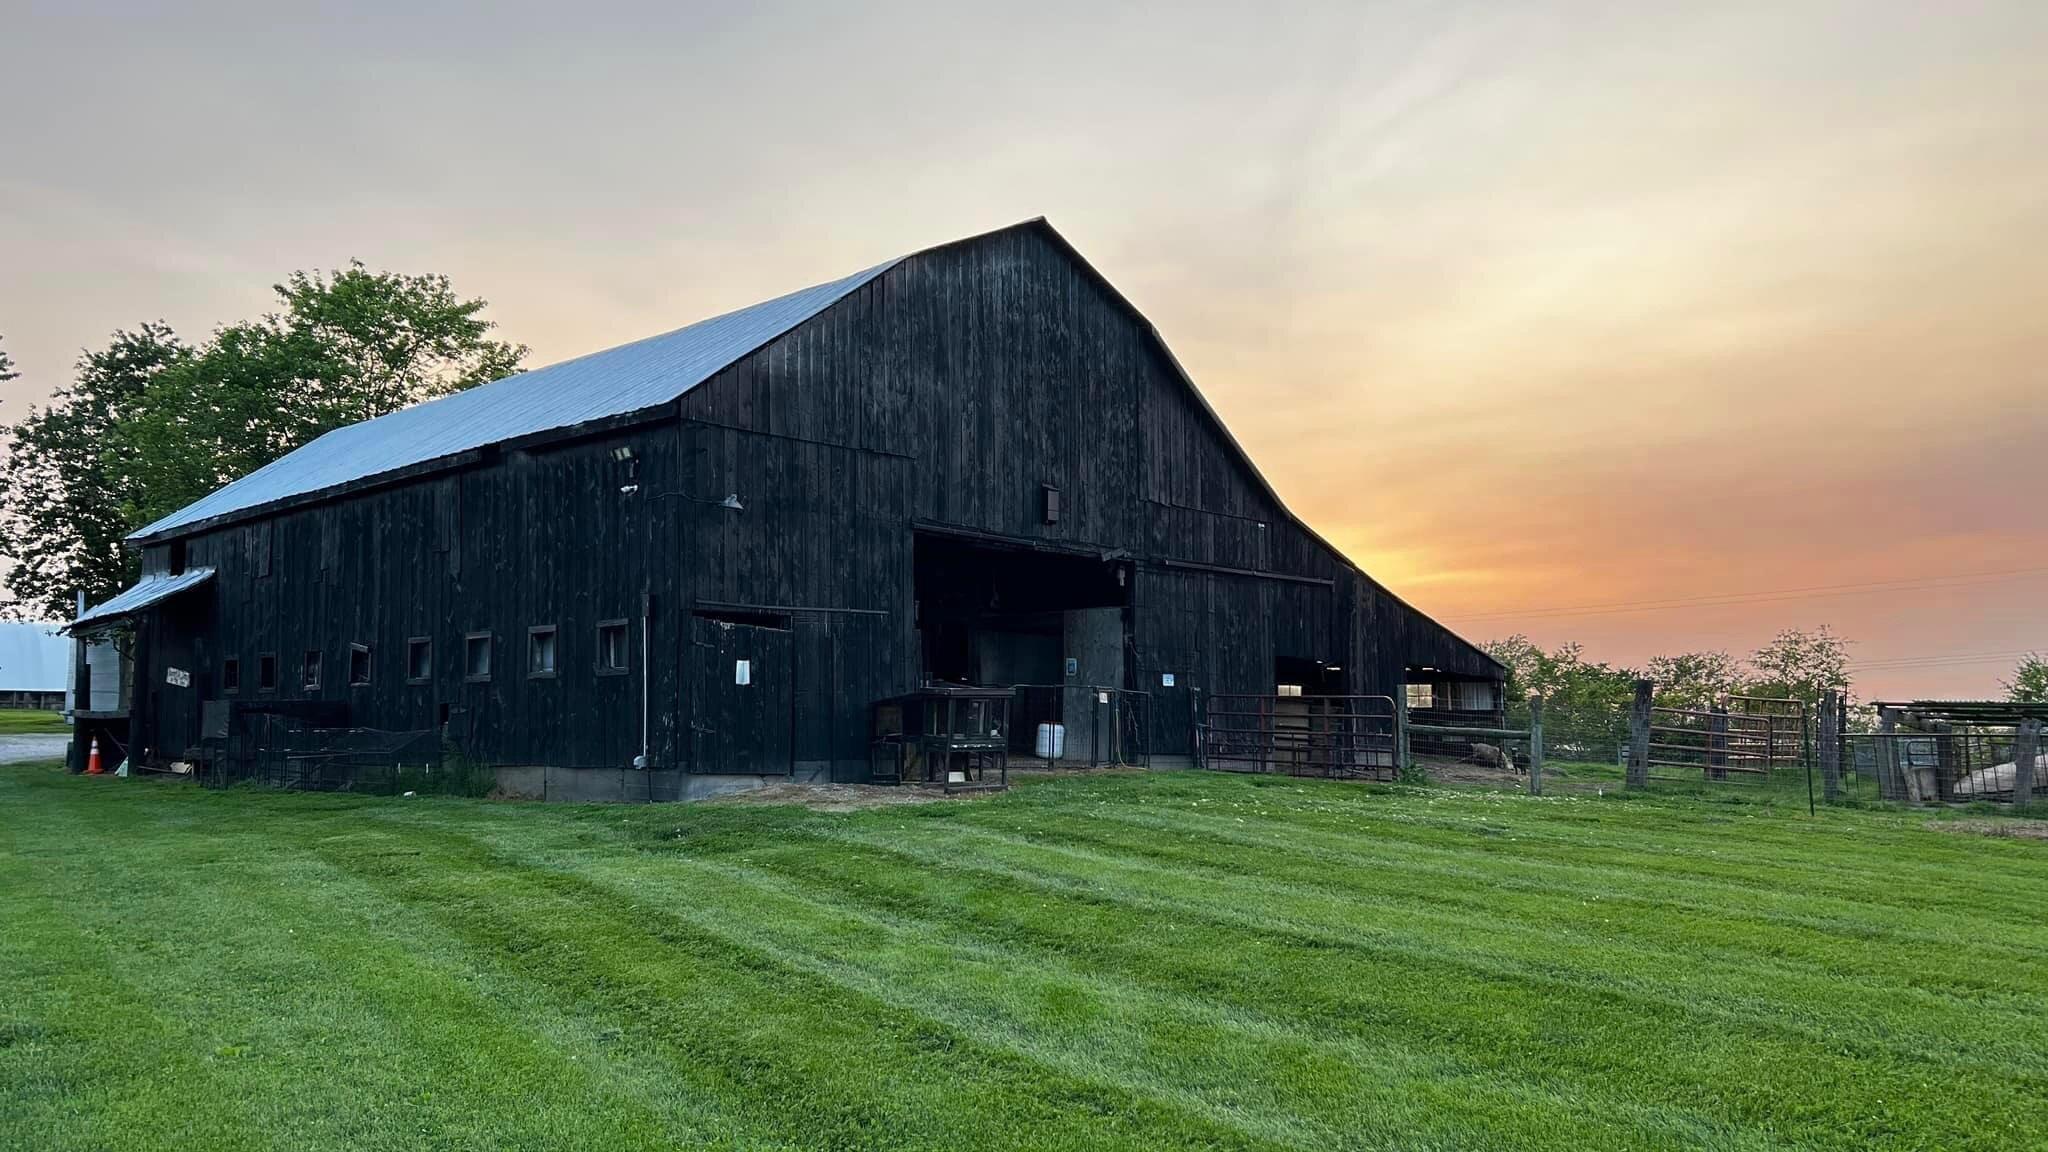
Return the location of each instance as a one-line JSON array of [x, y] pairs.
[[1914, 584], [1935, 661]]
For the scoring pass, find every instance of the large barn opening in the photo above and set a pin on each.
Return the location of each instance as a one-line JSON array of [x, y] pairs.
[[996, 616]]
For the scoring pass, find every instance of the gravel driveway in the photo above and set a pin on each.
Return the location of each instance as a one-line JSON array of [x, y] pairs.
[[47, 746]]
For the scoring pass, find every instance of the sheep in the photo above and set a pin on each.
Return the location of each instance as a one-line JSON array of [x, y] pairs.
[[1492, 755]]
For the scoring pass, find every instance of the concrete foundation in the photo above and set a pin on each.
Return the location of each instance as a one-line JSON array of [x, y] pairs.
[[631, 786]]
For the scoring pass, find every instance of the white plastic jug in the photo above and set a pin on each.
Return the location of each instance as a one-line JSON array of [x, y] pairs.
[[1052, 741]]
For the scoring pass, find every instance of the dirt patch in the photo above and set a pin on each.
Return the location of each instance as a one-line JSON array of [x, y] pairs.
[[2013, 829], [1447, 770], [840, 797], [1038, 769]]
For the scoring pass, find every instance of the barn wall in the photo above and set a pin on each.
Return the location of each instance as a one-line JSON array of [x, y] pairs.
[[991, 370], [946, 394], [530, 538]]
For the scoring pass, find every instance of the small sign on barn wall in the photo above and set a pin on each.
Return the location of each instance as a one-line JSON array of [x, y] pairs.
[[1166, 679], [177, 677], [743, 671]]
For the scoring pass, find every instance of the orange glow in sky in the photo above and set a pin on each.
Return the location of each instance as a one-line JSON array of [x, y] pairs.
[[1526, 307]]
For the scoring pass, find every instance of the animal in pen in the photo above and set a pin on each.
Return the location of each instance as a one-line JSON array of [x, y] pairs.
[[1492, 756], [1998, 780]]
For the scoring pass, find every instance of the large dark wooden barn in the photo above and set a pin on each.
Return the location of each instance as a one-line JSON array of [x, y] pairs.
[[715, 549]]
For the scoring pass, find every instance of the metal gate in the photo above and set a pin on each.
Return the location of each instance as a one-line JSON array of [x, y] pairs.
[[1348, 737]]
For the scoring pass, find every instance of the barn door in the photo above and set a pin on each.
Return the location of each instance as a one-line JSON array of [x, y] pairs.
[[742, 698], [1173, 707]]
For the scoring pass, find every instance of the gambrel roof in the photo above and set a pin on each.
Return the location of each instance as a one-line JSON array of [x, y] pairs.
[[631, 380]]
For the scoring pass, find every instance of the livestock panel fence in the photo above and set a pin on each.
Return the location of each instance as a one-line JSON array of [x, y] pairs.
[[1343, 737], [278, 754], [1070, 725], [1954, 752], [1358, 738]]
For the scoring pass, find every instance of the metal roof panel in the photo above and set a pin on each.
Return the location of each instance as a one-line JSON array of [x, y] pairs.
[[146, 591], [615, 382]]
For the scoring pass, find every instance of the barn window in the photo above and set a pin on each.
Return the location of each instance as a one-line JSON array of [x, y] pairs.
[[1421, 695], [1288, 690], [1472, 696], [1050, 504], [476, 656], [266, 672], [419, 660], [611, 647], [231, 675], [309, 670], [358, 664], [540, 650]]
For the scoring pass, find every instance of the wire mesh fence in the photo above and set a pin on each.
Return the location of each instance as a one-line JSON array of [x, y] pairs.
[[1953, 767], [1078, 725], [1480, 754], [365, 760]]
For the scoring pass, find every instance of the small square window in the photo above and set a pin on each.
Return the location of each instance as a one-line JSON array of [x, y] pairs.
[[611, 647], [419, 660], [231, 675], [358, 664], [476, 656], [540, 650], [1421, 695], [309, 671], [266, 672]]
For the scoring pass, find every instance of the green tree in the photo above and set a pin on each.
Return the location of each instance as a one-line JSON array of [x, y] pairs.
[[1694, 679], [1800, 665], [63, 488], [1585, 703], [344, 348], [7, 371], [2029, 683], [152, 424]]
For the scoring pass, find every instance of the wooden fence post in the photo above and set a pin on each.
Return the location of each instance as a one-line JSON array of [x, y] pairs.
[[1639, 737], [1902, 772], [1401, 757], [2024, 749], [1535, 745], [1830, 735]]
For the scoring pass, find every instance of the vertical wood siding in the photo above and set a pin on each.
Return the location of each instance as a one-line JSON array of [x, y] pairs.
[[949, 391]]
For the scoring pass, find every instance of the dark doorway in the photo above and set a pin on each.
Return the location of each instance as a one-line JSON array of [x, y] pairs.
[[994, 615], [1295, 676]]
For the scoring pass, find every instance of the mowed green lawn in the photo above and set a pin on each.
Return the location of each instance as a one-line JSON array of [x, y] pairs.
[[30, 721], [1122, 961]]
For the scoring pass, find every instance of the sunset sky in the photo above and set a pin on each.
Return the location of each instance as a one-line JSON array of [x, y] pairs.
[[1529, 308]]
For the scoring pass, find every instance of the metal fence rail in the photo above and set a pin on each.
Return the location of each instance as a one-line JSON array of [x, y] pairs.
[[1349, 737], [1955, 767], [1722, 744], [283, 755], [1100, 726]]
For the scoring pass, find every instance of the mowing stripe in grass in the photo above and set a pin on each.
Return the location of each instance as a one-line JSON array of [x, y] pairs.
[[796, 1055], [1495, 947], [1162, 961]]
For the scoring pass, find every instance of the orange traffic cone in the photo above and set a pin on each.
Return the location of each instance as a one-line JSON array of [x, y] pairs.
[[92, 760]]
